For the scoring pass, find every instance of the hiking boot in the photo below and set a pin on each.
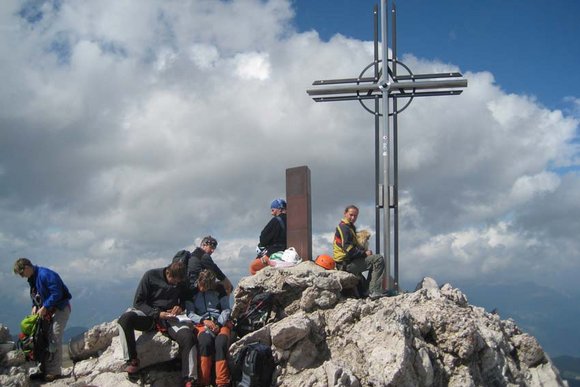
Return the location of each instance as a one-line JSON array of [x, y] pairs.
[[384, 293], [132, 366], [376, 295], [36, 376], [48, 378]]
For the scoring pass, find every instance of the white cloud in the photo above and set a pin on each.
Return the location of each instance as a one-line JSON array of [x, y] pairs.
[[525, 187], [204, 55], [252, 66]]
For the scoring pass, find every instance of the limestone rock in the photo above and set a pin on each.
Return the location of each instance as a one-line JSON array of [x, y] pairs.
[[93, 341], [322, 337], [12, 359]]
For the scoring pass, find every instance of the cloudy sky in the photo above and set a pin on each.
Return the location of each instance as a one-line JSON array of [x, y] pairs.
[[130, 129]]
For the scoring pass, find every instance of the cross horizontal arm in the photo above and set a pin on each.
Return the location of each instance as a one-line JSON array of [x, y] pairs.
[[344, 80], [422, 85], [394, 95], [374, 80], [428, 76]]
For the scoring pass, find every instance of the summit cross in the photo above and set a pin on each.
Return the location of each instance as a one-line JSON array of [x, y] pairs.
[[387, 85]]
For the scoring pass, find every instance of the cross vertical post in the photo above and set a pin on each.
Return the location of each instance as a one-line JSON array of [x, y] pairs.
[[395, 200], [377, 115], [386, 155], [386, 84]]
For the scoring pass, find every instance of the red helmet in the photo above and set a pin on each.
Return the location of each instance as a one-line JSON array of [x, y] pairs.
[[325, 261]]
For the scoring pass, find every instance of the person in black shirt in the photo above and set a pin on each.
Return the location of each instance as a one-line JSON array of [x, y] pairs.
[[200, 259], [159, 298], [273, 236]]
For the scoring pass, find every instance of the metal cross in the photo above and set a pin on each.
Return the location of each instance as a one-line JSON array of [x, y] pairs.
[[387, 85]]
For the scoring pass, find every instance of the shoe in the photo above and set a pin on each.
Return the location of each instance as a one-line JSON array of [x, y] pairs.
[[37, 376], [384, 293], [191, 383], [51, 378], [132, 366]]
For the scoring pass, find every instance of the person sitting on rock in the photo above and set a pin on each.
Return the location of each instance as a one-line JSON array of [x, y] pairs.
[[159, 298], [201, 259], [272, 237], [210, 311], [353, 258]]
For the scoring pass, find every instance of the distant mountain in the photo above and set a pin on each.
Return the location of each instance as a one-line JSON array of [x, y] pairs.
[[569, 368]]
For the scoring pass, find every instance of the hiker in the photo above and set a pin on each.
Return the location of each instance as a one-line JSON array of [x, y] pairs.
[[50, 300], [350, 256], [272, 237], [159, 298], [201, 259], [210, 311]]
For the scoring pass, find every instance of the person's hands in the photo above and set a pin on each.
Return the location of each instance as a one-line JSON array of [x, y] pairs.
[[42, 312], [175, 310], [166, 315], [212, 326]]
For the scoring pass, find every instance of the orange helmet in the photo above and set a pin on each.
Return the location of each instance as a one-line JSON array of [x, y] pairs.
[[325, 261]]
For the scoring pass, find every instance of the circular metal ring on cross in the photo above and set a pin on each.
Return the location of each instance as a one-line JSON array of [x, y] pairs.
[[396, 62]]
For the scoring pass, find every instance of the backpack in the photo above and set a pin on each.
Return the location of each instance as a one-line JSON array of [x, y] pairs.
[[181, 256], [256, 315], [253, 366], [33, 338]]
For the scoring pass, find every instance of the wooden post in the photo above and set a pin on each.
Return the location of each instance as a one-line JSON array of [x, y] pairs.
[[299, 216]]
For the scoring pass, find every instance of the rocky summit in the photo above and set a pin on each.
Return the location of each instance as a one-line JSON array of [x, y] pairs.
[[320, 336]]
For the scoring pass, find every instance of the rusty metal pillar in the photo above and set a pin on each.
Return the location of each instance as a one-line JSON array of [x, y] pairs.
[[299, 215]]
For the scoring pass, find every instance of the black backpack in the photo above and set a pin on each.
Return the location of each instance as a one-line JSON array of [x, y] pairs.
[[256, 315], [253, 366], [181, 256]]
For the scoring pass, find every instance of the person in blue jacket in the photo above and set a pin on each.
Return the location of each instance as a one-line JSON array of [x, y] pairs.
[[51, 300]]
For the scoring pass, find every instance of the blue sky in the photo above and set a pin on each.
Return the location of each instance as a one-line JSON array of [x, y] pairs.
[[130, 130]]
